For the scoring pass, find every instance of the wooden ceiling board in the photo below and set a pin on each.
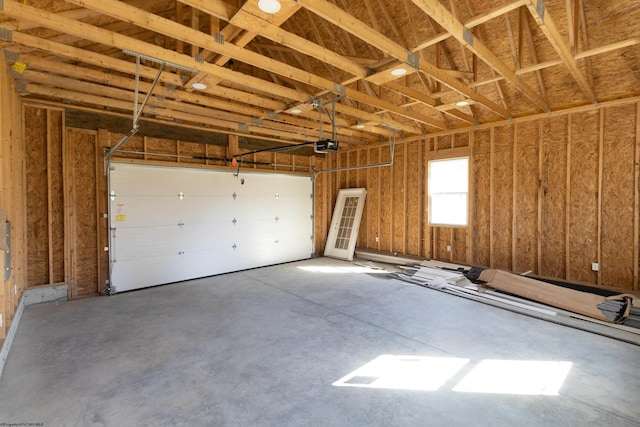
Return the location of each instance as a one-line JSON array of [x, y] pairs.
[[510, 58]]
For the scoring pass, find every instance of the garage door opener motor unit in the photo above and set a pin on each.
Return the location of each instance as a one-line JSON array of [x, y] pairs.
[[326, 146]]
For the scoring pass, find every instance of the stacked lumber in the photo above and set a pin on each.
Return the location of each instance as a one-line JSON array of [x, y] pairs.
[[616, 316]]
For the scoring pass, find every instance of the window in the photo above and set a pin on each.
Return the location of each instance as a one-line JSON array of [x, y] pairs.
[[448, 190]]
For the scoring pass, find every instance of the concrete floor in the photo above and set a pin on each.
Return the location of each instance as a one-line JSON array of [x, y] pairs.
[[263, 348]]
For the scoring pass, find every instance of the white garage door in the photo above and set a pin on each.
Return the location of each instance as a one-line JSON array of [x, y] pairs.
[[170, 224]]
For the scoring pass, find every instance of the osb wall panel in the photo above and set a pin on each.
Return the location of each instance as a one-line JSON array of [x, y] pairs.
[[526, 196], [321, 213], [360, 157], [553, 197], [461, 140], [398, 205], [534, 196], [216, 152], [284, 162], [192, 153], [618, 196], [135, 144], [583, 196], [262, 160], [481, 198], [441, 239], [361, 182], [443, 142], [372, 203], [352, 175], [459, 245], [166, 150], [414, 197], [35, 139], [502, 195], [56, 195], [81, 157], [386, 201]]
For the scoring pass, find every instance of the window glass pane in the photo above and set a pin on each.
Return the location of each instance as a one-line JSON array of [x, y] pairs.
[[448, 191]]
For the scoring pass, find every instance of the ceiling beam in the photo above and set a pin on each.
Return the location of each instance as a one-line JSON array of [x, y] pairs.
[[92, 58], [173, 29], [349, 23], [252, 113], [96, 34], [473, 22], [548, 27], [464, 35], [230, 31], [104, 101], [267, 127], [244, 19]]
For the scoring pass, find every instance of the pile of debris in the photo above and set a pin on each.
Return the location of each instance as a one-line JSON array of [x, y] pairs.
[[612, 314]]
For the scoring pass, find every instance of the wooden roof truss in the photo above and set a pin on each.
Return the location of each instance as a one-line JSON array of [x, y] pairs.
[[467, 61]]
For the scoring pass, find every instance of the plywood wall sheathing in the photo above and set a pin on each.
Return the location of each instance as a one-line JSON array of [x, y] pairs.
[[502, 196], [398, 208], [81, 200], [55, 120], [413, 197], [12, 195], [583, 204], [551, 194], [45, 204], [387, 199], [525, 232], [618, 195], [372, 203], [481, 197], [37, 202]]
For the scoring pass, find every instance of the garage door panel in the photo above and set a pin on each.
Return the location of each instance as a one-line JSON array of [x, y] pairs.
[[131, 274], [172, 224], [133, 211], [138, 242]]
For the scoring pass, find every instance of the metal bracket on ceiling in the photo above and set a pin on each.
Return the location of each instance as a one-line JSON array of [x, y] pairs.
[[540, 8], [413, 61], [6, 35], [11, 56], [467, 35]]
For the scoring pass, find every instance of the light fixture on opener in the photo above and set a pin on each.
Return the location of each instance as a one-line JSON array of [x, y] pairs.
[[269, 6]]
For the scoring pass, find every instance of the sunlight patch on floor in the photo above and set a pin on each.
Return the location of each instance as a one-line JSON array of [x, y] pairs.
[[422, 373], [341, 270]]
